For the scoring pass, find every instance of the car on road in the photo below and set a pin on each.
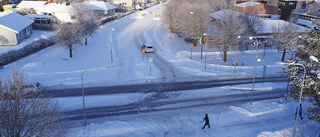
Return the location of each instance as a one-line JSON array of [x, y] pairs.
[[147, 48]]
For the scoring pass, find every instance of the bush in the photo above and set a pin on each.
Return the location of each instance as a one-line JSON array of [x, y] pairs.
[[38, 26], [31, 48]]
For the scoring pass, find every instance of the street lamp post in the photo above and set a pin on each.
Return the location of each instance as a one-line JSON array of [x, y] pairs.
[[312, 58], [255, 64], [83, 101], [205, 58], [236, 63], [299, 37], [111, 44], [192, 13]]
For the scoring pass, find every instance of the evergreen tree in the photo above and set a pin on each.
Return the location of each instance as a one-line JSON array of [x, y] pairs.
[[311, 89]]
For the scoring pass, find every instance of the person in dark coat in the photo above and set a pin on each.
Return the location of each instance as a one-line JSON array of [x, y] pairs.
[[300, 112], [206, 118]]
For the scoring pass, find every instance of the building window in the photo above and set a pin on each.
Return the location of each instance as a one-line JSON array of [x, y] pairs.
[[282, 4]]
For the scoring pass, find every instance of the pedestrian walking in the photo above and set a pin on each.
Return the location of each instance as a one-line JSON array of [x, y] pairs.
[[300, 112], [206, 118]]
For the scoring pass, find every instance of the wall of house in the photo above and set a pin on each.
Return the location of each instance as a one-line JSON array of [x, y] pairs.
[[126, 3], [2, 3], [61, 16], [112, 12], [25, 33], [7, 37], [258, 9]]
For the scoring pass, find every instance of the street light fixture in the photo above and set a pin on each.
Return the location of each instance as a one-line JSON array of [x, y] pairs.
[[83, 101], [255, 64], [312, 58]]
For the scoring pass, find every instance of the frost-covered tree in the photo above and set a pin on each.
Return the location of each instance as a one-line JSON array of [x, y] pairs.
[[86, 18], [314, 9], [169, 14], [69, 34], [273, 2], [217, 5], [194, 19], [254, 24], [188, 17], [26, 11], [285, 35], [299, 8], [25, 112], [311, 91], [227, 26], [90, 27]]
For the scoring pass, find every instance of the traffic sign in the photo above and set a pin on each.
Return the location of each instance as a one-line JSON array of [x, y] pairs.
[[150, 61]]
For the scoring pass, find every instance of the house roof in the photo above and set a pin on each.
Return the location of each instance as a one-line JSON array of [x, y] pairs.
[[219, 14], [14, 21], [31, 4], [268, 24], [247, 4], [100, 5], [56, 7]]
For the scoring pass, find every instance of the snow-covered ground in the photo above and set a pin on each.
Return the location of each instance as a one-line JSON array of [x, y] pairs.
[[270, 118], [54, 69]]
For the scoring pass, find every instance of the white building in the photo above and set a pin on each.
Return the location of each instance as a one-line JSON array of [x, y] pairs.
[[31, 5], [61, 11], [126, 3], [101, 8], [14, 28]]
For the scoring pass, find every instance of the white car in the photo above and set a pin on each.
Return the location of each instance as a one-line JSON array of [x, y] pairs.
[[147, 48]]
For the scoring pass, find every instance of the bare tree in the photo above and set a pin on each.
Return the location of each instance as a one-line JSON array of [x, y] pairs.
[[81, 11], [286, 35], [228, 25], [273, 2], [313, 9], [169, 14], [89, 28], [217, 5], [69, 34], [299, 8], [26, 112], [193, 19], [86, 18], [254, 24]]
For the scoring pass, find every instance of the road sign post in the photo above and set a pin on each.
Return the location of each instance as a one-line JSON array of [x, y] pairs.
[[191, 47], [150, 64], [143, 51], [264, 73]]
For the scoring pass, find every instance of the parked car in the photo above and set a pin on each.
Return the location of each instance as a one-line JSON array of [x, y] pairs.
[[147, 48]]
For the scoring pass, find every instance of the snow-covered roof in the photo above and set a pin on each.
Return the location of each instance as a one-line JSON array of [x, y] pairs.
[[14, 21], [56, 7], [221, 13], [31, 4], [33, 16], [100, 5], [268, 24], [246, 4], [9, 5]]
